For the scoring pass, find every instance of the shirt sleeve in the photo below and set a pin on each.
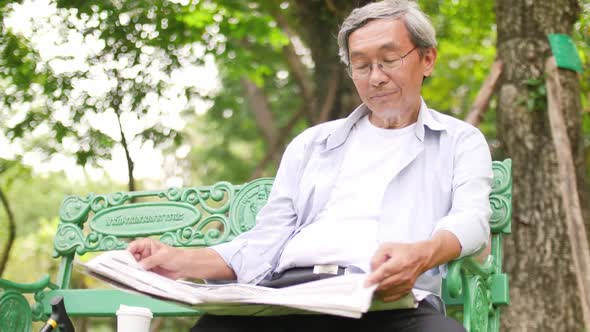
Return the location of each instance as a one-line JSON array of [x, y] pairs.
[[470, 211], [252, 254]]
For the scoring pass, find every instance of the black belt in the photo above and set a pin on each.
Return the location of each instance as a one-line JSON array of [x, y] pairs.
[[300, 275]]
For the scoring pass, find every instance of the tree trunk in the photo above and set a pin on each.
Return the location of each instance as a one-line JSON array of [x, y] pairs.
[[330, 93], [11, 232], [319, 23], [538, 256]]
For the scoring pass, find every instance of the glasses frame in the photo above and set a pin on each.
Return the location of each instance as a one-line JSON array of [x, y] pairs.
[[380, 66]]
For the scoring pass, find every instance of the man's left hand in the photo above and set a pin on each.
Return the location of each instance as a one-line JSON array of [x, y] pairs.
[[396, 266]]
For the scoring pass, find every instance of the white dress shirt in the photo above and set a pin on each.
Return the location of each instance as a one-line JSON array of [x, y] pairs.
[[442, 182], [345, 231]]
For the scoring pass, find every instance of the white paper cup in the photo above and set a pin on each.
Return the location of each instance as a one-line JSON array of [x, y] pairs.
[[133, 319]]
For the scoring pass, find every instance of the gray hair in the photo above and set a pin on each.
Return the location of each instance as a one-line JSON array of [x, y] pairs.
[[419, 26]]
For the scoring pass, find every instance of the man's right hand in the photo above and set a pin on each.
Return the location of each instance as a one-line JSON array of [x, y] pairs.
[[158, 257], [174, 263]]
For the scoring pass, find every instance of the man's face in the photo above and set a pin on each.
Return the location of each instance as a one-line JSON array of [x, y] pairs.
[[388, 92]]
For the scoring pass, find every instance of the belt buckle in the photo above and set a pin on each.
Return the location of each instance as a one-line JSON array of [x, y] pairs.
[[325, 269]]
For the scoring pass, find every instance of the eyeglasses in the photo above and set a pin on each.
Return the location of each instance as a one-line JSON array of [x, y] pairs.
[[363, 70]]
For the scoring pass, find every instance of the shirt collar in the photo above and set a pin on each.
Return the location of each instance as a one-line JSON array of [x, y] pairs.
[[339, 135]]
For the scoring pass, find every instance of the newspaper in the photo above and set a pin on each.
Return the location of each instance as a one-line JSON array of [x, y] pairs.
[[342, 295]]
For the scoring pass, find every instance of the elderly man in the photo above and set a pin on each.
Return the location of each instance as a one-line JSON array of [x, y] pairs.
[[395, 190]]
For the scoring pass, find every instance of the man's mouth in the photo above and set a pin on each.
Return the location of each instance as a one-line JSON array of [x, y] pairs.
[[383, 95]]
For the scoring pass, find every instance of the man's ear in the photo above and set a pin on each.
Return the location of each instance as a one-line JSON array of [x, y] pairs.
[[428, 61]]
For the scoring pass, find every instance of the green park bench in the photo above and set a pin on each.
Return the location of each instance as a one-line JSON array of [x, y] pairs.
[[474, 292]]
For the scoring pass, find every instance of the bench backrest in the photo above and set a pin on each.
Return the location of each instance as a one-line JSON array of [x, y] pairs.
[[197, 216]]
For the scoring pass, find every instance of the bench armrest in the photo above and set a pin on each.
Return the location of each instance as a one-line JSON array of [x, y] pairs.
[[16, 314], [33, 287], [469, 264]]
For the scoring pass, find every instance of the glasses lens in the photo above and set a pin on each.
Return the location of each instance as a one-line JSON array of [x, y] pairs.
[[391, 65]]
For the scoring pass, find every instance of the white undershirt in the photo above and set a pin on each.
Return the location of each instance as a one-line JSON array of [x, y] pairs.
[[345, 230]]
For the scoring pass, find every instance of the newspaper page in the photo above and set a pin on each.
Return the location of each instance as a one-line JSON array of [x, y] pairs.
[[342, 295]]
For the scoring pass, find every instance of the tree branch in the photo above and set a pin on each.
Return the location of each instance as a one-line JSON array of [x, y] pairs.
[[332, 7], [576, 228], [116, 103], [130, 164], [302, 79], [260, 108], [485, 93], [276, 149], [11, 232], [300, 74], [332, 88]]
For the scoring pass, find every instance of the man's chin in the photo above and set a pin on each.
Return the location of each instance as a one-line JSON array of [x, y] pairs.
[[387, 110]]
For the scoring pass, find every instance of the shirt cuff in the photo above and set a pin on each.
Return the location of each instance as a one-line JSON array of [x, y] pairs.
[[231, 253], [472, 235]]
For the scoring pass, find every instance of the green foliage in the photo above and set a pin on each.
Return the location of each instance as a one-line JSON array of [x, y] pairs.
[[144, 42], [581, 37], [466, 35], [11, 171], [141, 44], [537, 98], [35, 248], [247, 45]]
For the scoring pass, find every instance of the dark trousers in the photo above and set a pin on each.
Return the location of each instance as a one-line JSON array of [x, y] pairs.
[[425, 318]]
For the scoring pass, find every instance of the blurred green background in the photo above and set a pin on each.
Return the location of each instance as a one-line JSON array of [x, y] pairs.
[[104, 96]]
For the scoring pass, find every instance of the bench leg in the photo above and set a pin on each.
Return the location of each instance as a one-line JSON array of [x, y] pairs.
[[494, 321]]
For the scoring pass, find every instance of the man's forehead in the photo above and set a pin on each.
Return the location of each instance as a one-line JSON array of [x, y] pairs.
[[388, 46], [379, 34]]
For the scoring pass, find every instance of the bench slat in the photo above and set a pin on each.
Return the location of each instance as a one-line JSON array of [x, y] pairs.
[[105, 302]]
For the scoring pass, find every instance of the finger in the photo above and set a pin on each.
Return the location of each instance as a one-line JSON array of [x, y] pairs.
[[394, 289], [133, 246], [375, 277], [154, 260], [151, 247], [390, 282], [400, 289], [381, 256], [137, 248], [384, 271]]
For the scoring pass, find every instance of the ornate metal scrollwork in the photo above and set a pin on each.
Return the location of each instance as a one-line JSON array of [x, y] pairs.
[[502, 179], [217, 194], [501, 196], [494, 320], [110, 242], [192, 196], [501, 212], [69, 237], [117, 198], [477, 301], [37, 307], [172, 194], [454, 281], [221, 191], [75, 209], [99, 242], [245, 206], [98, 203], [15, 312], [198, 236]]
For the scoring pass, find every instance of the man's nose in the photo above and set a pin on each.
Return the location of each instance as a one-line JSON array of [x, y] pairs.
[[377, 76]]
